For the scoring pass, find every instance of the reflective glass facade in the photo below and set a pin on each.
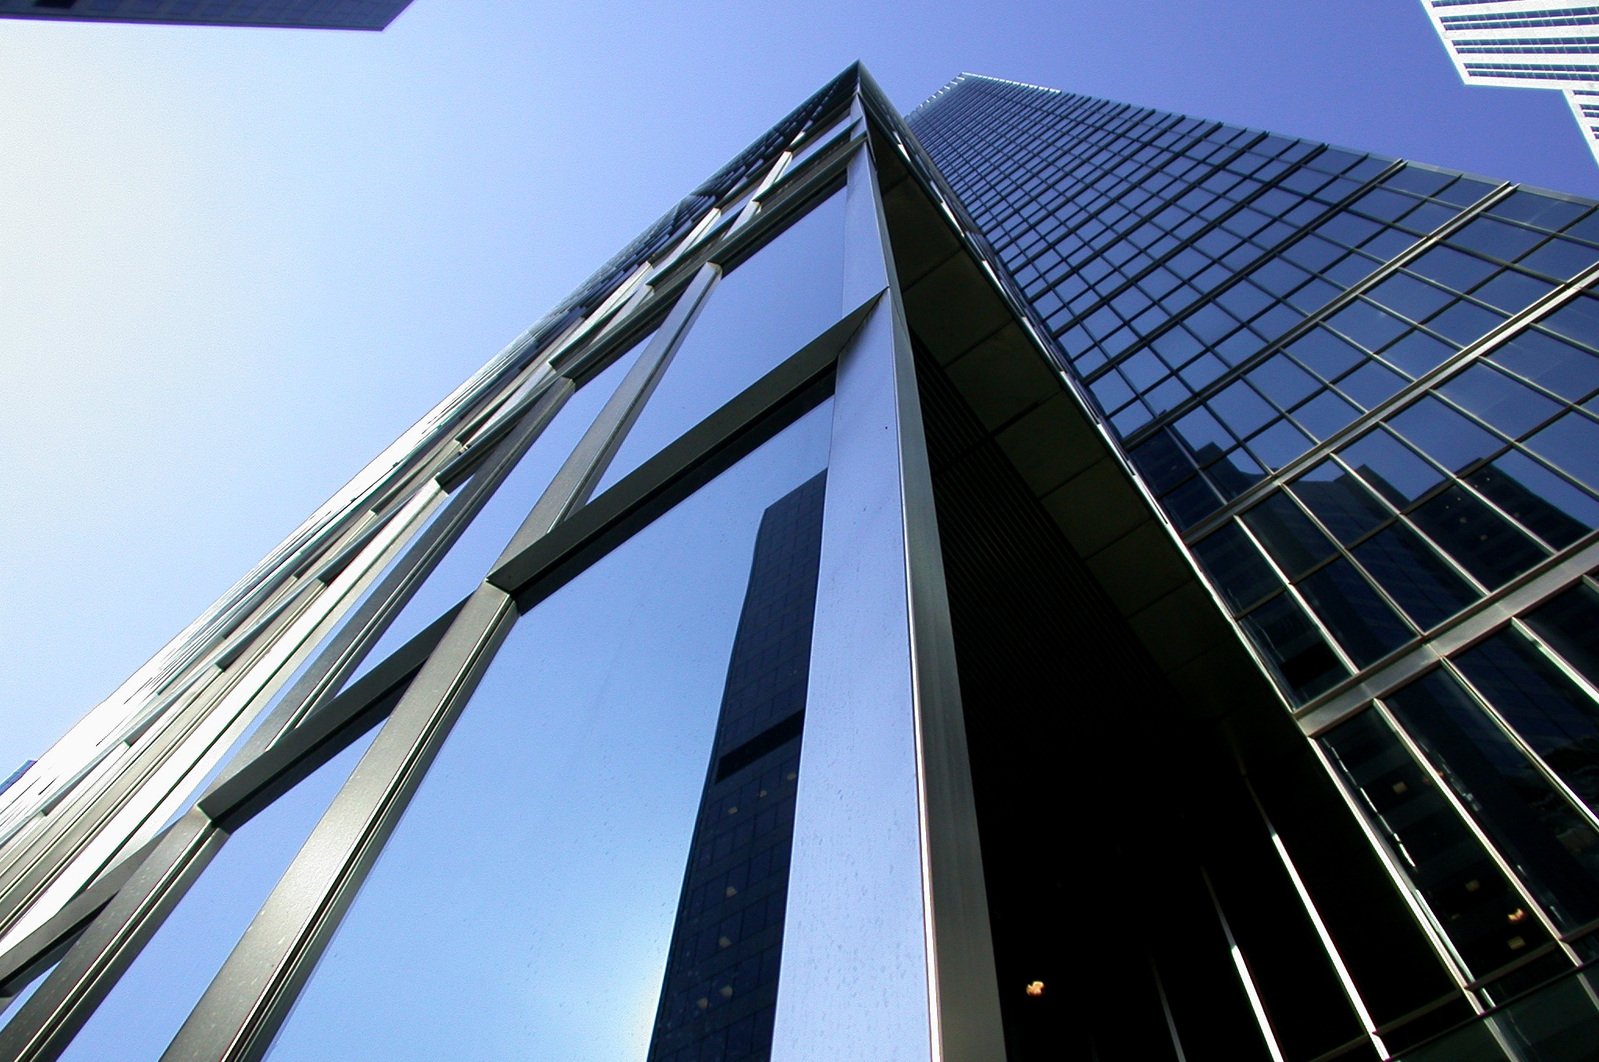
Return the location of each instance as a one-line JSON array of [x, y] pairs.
[[1038, 579], [1363, 392], [304, 14]]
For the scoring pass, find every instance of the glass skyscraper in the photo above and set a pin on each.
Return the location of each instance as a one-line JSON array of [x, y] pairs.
[[1040, 578], [1527, 44], [302, 14]]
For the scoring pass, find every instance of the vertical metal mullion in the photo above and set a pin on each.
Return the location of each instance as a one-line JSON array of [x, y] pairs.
[[252, 993], [887, 951], [599, 444], [48, 1021]]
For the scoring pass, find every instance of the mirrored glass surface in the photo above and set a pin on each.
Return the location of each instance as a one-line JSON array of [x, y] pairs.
[[1557, 719], [1553, 848], [764, 310], [1484, 917], [466, 564], [149, 1003], [524, 904]]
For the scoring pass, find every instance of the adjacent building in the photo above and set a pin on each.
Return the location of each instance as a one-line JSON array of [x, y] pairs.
[[301, 14], [1527, 44], [1038, 578]]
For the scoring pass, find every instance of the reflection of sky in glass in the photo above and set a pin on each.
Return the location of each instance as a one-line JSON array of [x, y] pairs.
[[148, 1005], [468, 560], [523, 907], [764, 310], [10, 1008], [300, 671]]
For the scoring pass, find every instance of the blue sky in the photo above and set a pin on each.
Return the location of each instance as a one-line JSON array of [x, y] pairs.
[[239, 262]]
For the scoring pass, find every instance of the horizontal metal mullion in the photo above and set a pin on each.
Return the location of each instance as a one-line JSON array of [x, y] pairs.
[[288, 758], [713, 444]]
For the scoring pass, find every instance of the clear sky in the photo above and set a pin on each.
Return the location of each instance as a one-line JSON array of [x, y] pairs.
[[238, 262]]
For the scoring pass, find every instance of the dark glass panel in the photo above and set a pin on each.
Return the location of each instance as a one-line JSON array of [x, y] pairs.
[[1570, 373], [1204, 434], [1535, 208], [1288, 534], [1576, 320], [1303, 661], [1241, 409], [1560, 258], [1235, 566], [1495, 238], [1512, 292], [1542, 835], [1162, 461], [1372, 384], [1553, 716], [1191, 502], [151, 1000], [1325, 415], [1279, 444], [764, 310], [1391, 467], [1464, 323], [1417, 353], [1569, 623], [1282, 381], [1426, 588], [1234, 473], [1414, 298], [1570, 444], [1499, 400], [1538, 499], [1341, 502], [1452, 268], [1367, 325], [1364, 624], [1477, 538], [1472, 900], [1443, 434]]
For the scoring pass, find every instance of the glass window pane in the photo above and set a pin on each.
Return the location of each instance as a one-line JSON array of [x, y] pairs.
[[524, 904], [1236, 567], [1479, 539], [1570, 373], [467, 562], [1555, 851], [1473, 902], [1339, 499], [1364, 624], [1391, 467], [1570, 444], [1569, 623], [153, 997], [1295, 649], [1539, 500], [1499, 400], [1288, 535], [1444, 435], [764, 310], [1556, 718], [1426, 588]]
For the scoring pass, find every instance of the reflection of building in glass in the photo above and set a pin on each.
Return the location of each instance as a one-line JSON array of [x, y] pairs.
[[1194, 642], [719, 995], [307, 14], [1527, 44]]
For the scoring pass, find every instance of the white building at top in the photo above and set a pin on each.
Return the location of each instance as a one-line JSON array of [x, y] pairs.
[[1527, 44]]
